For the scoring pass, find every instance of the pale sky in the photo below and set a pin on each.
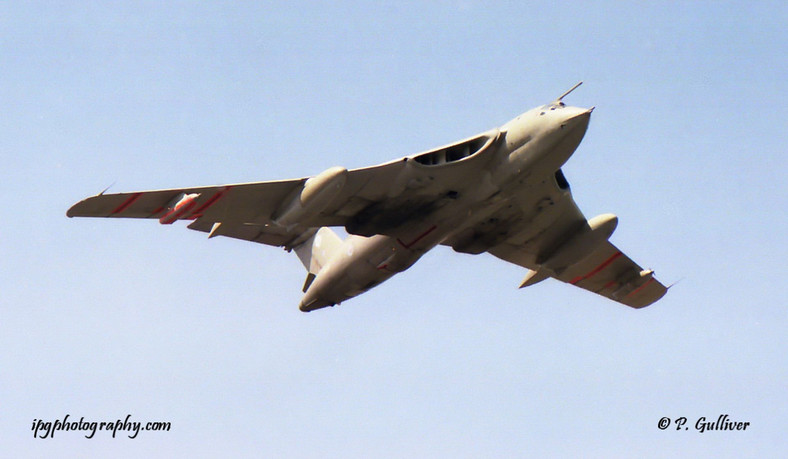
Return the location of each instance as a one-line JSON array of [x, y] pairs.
[[105, 318]]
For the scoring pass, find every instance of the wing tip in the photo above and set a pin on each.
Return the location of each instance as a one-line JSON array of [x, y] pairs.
[[72, 211], [648, 300]]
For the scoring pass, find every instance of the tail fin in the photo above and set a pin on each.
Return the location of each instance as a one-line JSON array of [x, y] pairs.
[[316, 251]]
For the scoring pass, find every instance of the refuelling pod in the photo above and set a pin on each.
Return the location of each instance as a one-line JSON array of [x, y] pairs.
[[316, 194], [181, 206]]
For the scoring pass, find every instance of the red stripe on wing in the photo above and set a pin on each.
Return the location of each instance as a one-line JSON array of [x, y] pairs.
[[640, 288], [126, 203], [596, 270], [218, 195]]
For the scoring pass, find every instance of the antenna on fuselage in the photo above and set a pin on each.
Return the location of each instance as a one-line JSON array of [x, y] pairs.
[[567, 93]]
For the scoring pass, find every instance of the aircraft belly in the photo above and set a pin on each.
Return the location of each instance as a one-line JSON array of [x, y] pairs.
[[521, 212]]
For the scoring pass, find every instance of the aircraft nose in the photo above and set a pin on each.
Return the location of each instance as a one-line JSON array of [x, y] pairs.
[[575, 116]]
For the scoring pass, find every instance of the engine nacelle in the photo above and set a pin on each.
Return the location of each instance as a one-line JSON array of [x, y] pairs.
[[316, 194], [582, 243]]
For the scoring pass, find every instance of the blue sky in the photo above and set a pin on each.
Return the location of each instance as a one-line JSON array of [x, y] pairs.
[[107, 318]]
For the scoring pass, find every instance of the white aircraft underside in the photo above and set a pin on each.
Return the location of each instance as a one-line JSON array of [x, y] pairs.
[[500, 192]]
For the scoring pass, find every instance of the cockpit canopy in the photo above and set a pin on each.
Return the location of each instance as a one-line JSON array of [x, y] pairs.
[[457, 151]]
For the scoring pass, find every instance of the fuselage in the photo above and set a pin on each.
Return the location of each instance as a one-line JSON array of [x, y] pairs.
[[527, 149]]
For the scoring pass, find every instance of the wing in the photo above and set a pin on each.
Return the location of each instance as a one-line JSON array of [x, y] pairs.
[[609, 272], [372, 200], [606, 271], [241, 202], [543, 230], [241, 209]]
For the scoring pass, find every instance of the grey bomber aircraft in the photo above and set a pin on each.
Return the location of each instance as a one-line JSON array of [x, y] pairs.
[[501, 191]]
